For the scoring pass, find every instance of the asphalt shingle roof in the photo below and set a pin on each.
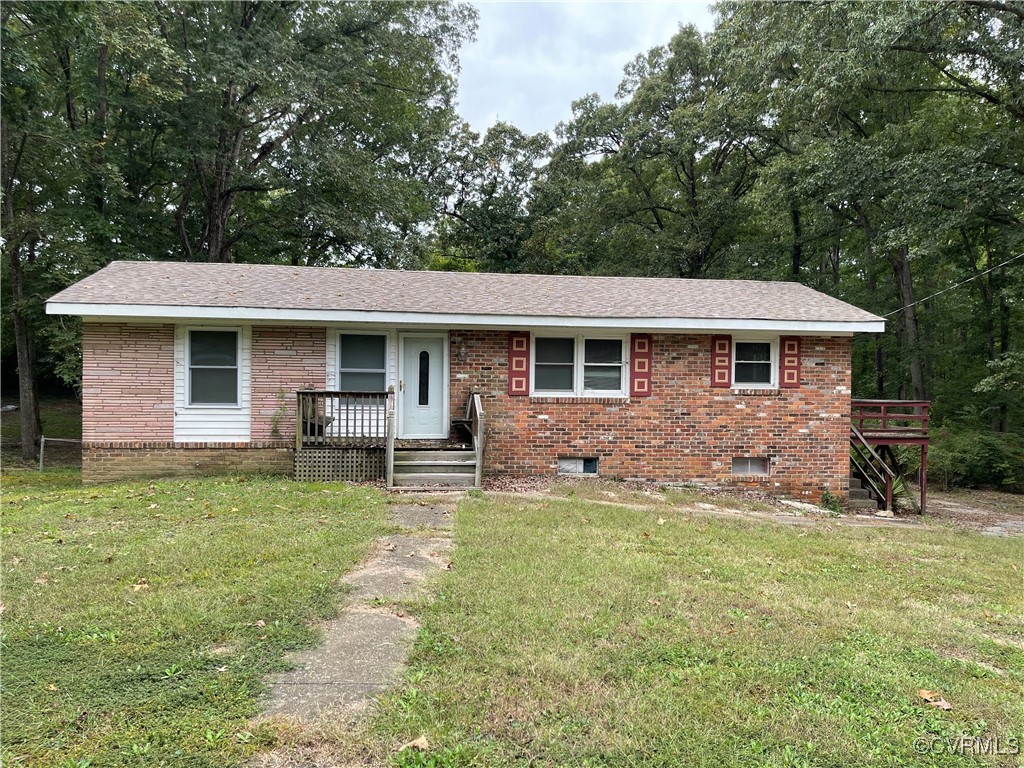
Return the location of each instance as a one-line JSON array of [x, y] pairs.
[[180, 284]]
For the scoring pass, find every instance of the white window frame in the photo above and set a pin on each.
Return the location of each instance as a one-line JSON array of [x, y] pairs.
[[237, 330], [579, 355], [773, 343], [339, 370]]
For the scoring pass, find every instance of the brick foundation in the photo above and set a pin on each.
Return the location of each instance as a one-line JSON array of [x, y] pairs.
[[685, 431], [107, 462]]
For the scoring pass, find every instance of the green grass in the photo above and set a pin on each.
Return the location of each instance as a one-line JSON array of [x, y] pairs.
[[574, 634], [140, 620], [59, 417]]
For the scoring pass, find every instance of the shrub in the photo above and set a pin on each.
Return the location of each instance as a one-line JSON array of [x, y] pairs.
[[971, 458]]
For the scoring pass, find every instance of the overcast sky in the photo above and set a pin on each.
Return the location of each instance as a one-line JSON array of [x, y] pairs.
[[531, 60]]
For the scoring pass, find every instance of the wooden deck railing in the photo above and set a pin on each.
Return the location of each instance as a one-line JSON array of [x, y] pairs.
[[335, 419], [891, 421], [878, 425]]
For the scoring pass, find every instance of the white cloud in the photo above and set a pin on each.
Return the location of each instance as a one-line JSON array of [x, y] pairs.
[[531, 60]]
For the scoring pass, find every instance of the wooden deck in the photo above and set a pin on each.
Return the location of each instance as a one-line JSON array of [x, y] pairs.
[[878, 425]]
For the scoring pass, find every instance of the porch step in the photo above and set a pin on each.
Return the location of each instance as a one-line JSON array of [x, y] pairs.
[[859, 493], [434, 468], [859, 503], [407, 456], [426, 479]]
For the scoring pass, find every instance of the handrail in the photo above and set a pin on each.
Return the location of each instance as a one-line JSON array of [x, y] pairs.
[[874, 472], [475, 417], [891, 416], [391, 431]]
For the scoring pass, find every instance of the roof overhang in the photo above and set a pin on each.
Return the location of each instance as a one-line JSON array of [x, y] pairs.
[[160, 313]]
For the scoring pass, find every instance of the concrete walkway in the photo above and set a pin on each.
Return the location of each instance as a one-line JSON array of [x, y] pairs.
[[366, 647]]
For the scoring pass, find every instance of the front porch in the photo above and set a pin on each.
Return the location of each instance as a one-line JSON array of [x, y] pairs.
[[353, 436]]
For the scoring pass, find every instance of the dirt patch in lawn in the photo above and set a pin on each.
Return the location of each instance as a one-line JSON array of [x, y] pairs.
[[991, 512]]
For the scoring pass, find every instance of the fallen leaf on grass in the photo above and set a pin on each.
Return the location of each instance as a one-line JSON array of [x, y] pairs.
[[935, 699], [448, 566], [52, 687], [140, 584], [42, 579], [390, 547], [421, 744], [234, 509], [153, 506], [661, 521], [260, 623]]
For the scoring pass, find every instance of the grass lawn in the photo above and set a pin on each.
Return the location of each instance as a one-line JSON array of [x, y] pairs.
[[575, 634], [139, 620]]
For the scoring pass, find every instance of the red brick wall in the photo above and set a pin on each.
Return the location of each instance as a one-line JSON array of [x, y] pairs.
[[111, 461], [283, 360], [127, 382], [686, 430]]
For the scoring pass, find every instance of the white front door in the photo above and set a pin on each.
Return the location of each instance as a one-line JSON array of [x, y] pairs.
[[423, 386]]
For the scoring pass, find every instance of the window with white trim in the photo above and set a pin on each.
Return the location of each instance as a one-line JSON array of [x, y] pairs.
[[362, 362], [213, 367], [579, 365], [754, 364]]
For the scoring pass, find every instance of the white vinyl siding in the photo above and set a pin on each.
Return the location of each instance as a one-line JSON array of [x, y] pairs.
[[350, 424], [211, 423], [333, 342]]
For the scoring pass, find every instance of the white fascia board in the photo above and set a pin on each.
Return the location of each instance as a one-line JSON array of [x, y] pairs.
[[159, 313]]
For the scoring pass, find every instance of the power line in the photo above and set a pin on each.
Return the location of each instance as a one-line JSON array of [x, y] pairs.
[[957, 285]]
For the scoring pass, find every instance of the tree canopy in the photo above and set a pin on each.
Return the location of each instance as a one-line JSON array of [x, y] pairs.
[[874, 151]]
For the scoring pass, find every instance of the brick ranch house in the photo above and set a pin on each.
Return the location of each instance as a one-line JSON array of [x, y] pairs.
[[440, 378]]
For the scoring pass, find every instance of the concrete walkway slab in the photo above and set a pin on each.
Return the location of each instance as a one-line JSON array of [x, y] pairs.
[[365, 648], [400, 567], [361, 656], [423, 516]]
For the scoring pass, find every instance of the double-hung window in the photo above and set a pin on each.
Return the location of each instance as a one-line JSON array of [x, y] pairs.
[[577, 365], [362, 365], [753, 364], [213, 367]]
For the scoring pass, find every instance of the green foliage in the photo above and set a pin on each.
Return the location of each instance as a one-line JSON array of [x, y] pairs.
[[831, 503], [970, 458]]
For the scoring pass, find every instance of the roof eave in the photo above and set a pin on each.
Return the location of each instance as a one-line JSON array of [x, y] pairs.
[[152, 313]]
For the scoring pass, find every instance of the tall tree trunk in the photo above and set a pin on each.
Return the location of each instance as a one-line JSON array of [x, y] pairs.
[[25, 346], [23, 338], [900, 261], [1003, 424], [797, 254]]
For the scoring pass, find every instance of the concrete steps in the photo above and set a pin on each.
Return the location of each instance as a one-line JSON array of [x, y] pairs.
[[433, 468], [860, 497]]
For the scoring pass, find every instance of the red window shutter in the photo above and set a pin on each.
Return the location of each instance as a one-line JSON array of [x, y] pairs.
[[518, 363], [640, 356], [789, 365], [721, 361]]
